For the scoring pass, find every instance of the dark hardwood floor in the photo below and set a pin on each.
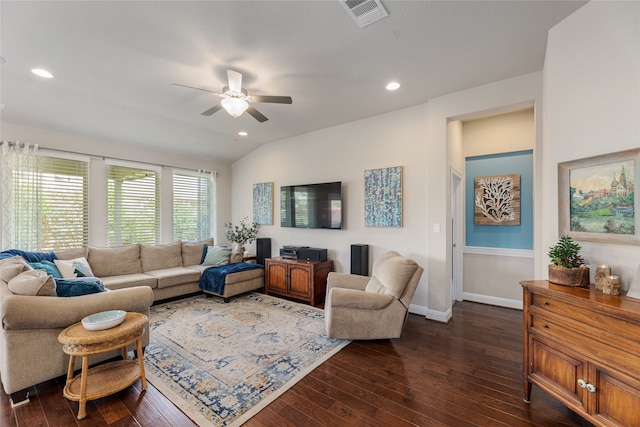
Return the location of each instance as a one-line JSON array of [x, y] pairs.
[[464, 373]]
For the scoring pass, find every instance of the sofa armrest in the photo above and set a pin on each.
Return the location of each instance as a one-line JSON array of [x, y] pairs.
[[348, 281], [351, 298], [26, 312]]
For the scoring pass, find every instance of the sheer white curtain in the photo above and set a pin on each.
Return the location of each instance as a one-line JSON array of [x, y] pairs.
[[19, 196], [209, 228]]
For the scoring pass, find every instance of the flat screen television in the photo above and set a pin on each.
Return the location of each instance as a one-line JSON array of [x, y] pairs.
[[311, 205]]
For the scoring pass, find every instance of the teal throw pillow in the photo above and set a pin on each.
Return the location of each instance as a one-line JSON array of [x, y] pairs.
[[47, 266], [217, 255]]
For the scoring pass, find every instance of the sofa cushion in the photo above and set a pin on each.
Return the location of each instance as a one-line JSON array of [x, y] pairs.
[[117, 261], [47, 266], [174, 276], [33, 283], [73, 253], [217, 255], [157, 257], [11, 267], [129, 281], [79, 286], [242, 276], [391, 274], [193, 253]]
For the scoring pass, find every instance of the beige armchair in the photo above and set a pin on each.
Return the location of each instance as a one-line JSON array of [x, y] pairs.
[[376, 307]]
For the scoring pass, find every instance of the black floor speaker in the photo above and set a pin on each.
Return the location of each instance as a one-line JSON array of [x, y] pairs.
[[263, 249], [360, 260]]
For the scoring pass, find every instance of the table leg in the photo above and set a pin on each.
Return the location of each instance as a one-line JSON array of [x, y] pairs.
[[72, 363], [143, 379], [82, 411]]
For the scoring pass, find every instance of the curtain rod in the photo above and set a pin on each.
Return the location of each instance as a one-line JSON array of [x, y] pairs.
[[10, 143]]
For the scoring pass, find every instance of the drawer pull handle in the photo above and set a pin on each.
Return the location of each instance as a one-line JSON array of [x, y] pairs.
[[545, 303], [591, 388], [582, 383], [545, 326]]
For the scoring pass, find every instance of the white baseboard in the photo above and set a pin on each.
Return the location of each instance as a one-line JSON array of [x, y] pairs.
[[438, 316], [487, 299]]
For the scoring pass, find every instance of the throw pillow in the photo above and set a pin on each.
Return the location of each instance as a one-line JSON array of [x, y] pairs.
[[33, 283], [78, 267], [47, 266], [79, 286], [193, 253], [11, 267], [217, 255], [83, 269], [66, 268]]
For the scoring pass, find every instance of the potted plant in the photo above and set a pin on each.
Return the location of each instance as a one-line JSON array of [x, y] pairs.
[[241, 234], [567, 267]]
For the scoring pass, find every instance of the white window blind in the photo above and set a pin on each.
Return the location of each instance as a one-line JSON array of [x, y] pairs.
[[64, 203], [133, 205], [193, 197]]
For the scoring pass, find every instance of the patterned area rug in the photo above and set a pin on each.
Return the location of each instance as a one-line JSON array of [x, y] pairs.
[[221, 363]]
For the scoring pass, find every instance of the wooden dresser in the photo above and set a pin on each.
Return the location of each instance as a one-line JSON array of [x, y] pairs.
[[583, 347], [302, 280]]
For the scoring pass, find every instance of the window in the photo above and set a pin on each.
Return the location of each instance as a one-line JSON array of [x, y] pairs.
[[48, 203], [64, 203], [133, 205], [193, 210]]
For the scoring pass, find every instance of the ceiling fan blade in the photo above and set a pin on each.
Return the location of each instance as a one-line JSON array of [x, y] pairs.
[[212, 110], [272, 99], [235, 81], [256, 114], [196, 88]]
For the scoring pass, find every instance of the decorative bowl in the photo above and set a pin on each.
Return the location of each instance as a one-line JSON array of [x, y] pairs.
[[103, 320]]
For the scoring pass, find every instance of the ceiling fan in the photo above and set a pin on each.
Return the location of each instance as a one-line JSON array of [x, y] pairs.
[[236, 100]]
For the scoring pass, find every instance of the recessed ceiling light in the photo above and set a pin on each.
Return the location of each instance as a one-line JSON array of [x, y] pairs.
[[242, 133], [42, 73], [392, 86]]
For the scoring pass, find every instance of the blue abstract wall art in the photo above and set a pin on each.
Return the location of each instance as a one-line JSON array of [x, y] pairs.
[[383, 197], [263, 203]]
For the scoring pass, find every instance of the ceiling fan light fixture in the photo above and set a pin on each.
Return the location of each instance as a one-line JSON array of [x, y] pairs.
[[235, 106], [42, 73]]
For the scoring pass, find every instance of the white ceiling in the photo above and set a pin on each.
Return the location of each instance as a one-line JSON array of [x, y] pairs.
[[114, 62]]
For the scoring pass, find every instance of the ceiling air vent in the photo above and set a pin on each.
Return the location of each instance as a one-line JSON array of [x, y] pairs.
[[364, 12]]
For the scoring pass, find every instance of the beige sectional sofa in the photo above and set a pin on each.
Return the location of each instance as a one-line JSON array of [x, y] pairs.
[[135, 276], [170, 269]]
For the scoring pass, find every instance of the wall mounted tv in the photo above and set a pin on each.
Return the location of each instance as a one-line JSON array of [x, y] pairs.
[[311, 205]]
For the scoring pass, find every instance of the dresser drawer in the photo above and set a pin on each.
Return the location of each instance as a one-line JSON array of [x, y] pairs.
[[590, 321]]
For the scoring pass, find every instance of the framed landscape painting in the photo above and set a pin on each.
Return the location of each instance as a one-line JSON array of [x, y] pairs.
[[597, 198]]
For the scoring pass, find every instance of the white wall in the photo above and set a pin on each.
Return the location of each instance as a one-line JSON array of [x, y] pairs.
[[343, 153], [415, 138], [591, 107], [98, 149], [501, 133]]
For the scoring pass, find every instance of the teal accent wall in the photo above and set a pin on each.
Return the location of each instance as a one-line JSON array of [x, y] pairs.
[[501, 236]]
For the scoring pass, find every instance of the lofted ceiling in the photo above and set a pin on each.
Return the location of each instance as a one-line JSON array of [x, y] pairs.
[[114, 63]]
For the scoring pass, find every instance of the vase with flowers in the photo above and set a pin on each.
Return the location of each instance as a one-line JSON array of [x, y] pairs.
[[241, 234]]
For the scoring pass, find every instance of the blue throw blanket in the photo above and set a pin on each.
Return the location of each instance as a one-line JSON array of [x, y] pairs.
[[212, 278], [29, 256]]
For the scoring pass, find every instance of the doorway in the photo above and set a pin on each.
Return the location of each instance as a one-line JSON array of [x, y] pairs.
[[457, 218]]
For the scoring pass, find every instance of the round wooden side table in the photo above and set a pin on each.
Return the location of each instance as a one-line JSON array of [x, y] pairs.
[[106, 379]]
